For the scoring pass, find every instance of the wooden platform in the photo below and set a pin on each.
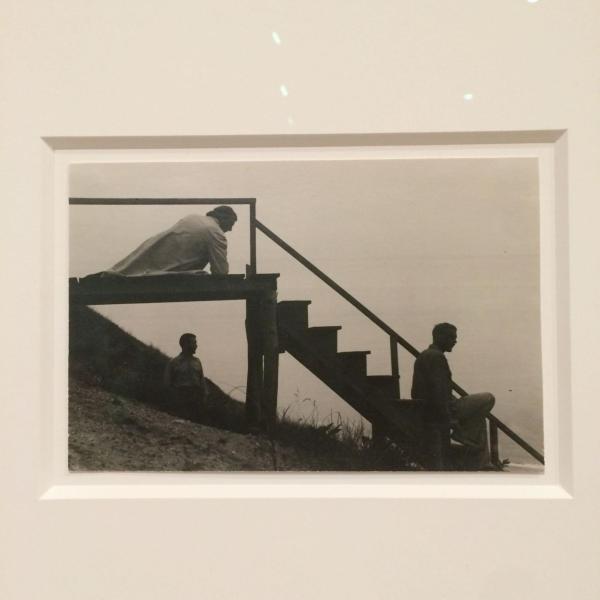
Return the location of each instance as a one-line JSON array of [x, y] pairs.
[[259, 293], [102, 288]]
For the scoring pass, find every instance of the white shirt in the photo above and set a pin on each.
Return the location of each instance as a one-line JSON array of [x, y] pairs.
[[184, 371], [191, 244]]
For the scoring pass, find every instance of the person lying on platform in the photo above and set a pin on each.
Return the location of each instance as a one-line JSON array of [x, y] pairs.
[[184, 381], [188, 246], [462, 419]]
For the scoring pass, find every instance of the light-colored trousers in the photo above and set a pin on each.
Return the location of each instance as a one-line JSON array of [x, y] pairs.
[[472, 411]]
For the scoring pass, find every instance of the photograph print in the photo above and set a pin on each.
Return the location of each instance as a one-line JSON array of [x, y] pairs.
[[306, 315]]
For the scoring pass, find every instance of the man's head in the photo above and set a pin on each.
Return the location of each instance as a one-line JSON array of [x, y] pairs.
[[444, 336], [225, 216], [188, 343]]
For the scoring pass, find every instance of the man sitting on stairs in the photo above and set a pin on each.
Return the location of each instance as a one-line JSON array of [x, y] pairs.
[[445, 417]]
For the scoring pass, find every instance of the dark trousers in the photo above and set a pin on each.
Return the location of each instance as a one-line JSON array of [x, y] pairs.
[[435, 450], [186, 402]]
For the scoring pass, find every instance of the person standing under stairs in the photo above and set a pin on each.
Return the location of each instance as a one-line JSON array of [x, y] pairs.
[[446, 417], [184, 381]]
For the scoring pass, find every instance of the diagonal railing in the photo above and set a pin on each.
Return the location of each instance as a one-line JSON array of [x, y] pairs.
[[395, 340]]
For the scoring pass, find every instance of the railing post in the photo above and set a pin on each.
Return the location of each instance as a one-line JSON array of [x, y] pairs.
[[253, 237], [394, 361], [494, 453]]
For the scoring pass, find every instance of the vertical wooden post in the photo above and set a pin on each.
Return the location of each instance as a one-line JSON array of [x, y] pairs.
[[494, 452], [377, 438], [254, 383], [394, 361], [270, 351], [253, 237]]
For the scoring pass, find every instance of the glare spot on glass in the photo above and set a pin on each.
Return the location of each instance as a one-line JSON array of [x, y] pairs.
[[532, 1], [283, 89], [276, 38], [468, 96]]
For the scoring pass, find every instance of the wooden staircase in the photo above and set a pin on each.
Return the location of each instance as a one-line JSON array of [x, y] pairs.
[[375, 397]]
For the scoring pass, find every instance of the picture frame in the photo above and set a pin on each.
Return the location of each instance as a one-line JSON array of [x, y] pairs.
[[184, 78], [548, 150]]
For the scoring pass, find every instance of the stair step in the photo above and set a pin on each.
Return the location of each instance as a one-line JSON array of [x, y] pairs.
[[354, 363], [315, 348], [293, 314], [324, 339], [386, 384]]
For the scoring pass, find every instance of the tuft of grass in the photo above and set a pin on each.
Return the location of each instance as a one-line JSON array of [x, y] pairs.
[[333, 443]]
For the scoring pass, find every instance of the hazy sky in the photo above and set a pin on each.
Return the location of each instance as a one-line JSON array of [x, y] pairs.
[[418, 241]]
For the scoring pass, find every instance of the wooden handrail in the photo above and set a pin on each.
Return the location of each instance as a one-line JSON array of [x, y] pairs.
[[156, 201], [385, 327], [338, 288]]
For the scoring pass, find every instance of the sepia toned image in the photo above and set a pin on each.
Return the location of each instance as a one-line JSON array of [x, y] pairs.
[[317, 315]]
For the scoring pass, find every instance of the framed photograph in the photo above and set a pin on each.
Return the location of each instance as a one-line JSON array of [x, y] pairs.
[[230, 249], [399, 165]]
